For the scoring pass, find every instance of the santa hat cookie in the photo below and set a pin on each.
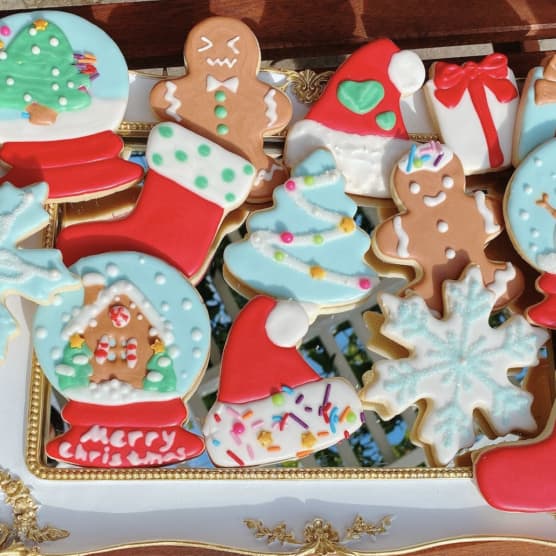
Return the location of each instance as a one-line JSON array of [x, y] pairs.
[[359, 119], [271, 405]]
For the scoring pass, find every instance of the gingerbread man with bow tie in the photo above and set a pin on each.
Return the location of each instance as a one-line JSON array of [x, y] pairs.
[[222, 99]]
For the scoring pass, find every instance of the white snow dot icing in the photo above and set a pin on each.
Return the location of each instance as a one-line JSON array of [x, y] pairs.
[[153, 331], [533, 247], [414, 188], [160, 279], [93, 323], [32, 31], [448, 182], [523, 214], [41, 332], [65, 317], [164, 362], [55, 72], [35, 50], [10, 81], [173, 352], [55, 86], [196, 335], [55, 353], [538, 162], [141, 260], [535, 232], [54, 274], [450, 253], [112, 270], [155, 376], [57, 300], [3, 55], [54, 41], [165, 306], [63, 101], [80, 359], [527, 188], [70, 84], [196, 353], [27, 97], [186, 304]]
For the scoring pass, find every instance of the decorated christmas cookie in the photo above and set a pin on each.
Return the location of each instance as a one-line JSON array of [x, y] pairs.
[[63, 89], [222, 99], [457, 367], [530, 214], [126, 349], [481, 99], [432, 230], [191, 185], [271, 405], [35, 274], [307, 247], [358, 117], [519, 476], [536, 115]]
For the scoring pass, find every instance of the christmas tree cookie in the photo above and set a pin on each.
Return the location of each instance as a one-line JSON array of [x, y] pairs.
[[271, 405], [358, 117], [35, 274], [307, 247], [456, 368], [63, 90], [191, 186], [125, 350]]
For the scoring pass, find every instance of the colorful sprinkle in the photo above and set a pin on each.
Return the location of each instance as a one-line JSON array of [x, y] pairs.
[[287, 389], [290, 185], [347, 225], [298, 420], [215, 442], [238, 428], [317, 272], [308, 439], [318, 239], [256, 424], [235, 457], [344, 414], [303, 454], [247, 414], [309, 409], [346, 435], [438, 159], [299, 398], [309, 180], [364, 283], [286, 237], [217, 418], [283, 421], [5, 31], [323, 433], [232, 411], [410, 158], [265, 438], [274, 448], [278, 399], [351, 417], [279, 256], [250, 452]]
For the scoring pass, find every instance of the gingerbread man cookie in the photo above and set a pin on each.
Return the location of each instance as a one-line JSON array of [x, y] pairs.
[[221, 98], [441, 228]]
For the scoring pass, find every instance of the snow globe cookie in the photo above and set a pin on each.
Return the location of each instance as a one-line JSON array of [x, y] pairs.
[[63, 90], [286, 411], [306, 247], [125, 350], [530, 214]]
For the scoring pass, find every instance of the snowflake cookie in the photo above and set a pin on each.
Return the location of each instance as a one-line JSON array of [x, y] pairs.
[[36, 274], [456, 366]]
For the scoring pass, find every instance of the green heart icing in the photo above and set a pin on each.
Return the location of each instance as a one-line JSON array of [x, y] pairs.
[[386, 120], [360, 96]]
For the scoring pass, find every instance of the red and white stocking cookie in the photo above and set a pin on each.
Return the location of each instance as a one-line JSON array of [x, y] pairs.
[[440, 228], [222, 99], [272, 406]]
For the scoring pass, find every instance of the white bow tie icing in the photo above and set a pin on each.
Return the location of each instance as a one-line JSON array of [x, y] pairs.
[[231, 84]]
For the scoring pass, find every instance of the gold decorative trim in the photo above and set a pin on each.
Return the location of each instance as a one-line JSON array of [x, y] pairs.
[[24, 534], [306, 85], [135, 129], [319, 536]]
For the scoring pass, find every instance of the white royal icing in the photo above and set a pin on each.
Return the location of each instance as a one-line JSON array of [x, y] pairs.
[[432, 156], [480, 201], [406, 71], [432, 201], [271, 106], [501, 279], [174, 103], [403, 238], [287, 323]]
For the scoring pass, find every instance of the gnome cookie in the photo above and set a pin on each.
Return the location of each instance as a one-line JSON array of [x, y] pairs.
[[221, 98], [433, 234], [64, 89], [272, 406], [358, 117], [125, 350]]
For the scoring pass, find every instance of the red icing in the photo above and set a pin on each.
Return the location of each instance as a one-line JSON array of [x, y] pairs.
[[451, 82], [169, 222], [544, 313], [73, 168], [520, 476], [253, 367], [370, 62], [135, 435]]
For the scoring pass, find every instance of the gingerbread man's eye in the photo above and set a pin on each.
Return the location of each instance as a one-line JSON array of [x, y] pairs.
[[414, 187], [207, 44], [448, 182], [232, 45]]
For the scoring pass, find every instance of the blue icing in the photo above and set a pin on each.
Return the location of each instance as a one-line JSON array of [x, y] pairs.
[[36, 274], [342, 255], [531, 226], [538, 121], [162, 285], [113, 80]]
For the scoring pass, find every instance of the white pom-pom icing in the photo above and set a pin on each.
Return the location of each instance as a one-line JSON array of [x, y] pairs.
[[287, 323], [406, 71]]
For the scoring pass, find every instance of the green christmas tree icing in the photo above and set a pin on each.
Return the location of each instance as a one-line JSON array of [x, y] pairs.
[[38, 67], [161, 376], [74, 369]]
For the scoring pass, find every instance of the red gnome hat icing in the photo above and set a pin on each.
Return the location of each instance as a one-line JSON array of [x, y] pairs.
[[363, 95], [254, 366]]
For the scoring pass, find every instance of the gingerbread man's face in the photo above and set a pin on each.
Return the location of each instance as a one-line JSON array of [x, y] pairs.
[[222, 47], [428, 186]]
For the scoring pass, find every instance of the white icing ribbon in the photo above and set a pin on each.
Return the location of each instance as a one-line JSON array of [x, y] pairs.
[[222, 62], [501, 279], [434, 200], [265, 175], [403, 238], [175, 103], [271, 106], [490, 226], [231, 84]]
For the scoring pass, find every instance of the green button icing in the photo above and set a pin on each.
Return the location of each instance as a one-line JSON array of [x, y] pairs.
[[220, 111], [220, 96], [386, 120], [203, 150], [157, 159], [201, 182], [228, 175], [181, 156], [360, 96], [248, 170], [166, 131], [230, 197], [222, 129]]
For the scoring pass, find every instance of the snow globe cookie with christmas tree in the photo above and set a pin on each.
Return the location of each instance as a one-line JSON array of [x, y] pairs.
[[63, 91], [126, 350]]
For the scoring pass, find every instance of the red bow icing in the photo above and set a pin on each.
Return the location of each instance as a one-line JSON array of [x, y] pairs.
[[452, 81]]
